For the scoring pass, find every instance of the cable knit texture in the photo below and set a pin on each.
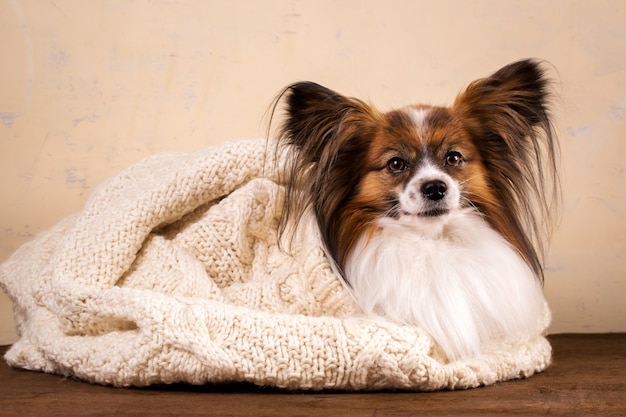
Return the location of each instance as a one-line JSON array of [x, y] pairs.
[[172, 273]]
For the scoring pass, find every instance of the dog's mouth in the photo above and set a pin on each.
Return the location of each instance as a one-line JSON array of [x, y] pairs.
[[436, 212], [433, 213]]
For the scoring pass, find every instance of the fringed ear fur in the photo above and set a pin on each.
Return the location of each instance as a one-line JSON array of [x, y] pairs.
[[507, 117], [323, 136]]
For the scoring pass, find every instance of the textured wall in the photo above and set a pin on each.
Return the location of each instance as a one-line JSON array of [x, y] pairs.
[[88, 87]]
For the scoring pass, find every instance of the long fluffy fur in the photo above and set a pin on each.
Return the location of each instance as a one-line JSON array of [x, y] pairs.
[[465, 276], [465, 289]]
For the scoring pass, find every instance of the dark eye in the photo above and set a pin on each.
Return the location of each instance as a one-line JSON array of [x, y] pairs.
[[396, 165], [454, 158]]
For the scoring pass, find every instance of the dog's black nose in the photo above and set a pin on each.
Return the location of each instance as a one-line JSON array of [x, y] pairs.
[[434, 190]]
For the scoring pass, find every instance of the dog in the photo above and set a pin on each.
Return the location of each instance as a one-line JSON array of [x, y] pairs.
[[434, 216]]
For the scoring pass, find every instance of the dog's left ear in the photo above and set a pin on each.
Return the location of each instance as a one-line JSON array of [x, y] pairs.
[[507, 116], [511, 102]]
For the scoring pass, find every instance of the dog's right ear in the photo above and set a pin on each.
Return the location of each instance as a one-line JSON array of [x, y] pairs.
[[313, 115], [319, 126]]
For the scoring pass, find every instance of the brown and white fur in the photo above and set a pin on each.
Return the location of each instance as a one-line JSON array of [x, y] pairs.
[[434, 216]]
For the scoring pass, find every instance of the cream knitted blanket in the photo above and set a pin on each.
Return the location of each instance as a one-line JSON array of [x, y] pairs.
[[172, 273]]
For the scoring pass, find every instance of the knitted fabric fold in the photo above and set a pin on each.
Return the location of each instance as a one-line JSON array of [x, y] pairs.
[[172, 273]]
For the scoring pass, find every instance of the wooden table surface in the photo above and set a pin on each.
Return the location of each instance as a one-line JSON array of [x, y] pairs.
[[587, 378]]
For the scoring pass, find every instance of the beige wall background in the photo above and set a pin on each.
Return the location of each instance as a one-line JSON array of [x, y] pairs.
[[89, 87]]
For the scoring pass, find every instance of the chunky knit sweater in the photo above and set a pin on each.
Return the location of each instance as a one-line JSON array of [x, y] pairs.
[[172, 273]]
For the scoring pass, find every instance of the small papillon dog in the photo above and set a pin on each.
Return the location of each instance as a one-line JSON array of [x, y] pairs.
[[433, 216]]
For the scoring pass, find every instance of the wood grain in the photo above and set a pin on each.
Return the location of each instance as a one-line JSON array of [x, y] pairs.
[[587, 378]]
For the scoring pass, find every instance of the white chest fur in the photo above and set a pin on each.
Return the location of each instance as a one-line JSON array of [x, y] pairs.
[[462, 283]]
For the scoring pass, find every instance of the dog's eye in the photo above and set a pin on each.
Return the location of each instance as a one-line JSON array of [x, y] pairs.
[[396, 165], [454, 158]]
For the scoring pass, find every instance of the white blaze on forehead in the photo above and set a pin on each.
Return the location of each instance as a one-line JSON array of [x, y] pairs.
[[418, 117]]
